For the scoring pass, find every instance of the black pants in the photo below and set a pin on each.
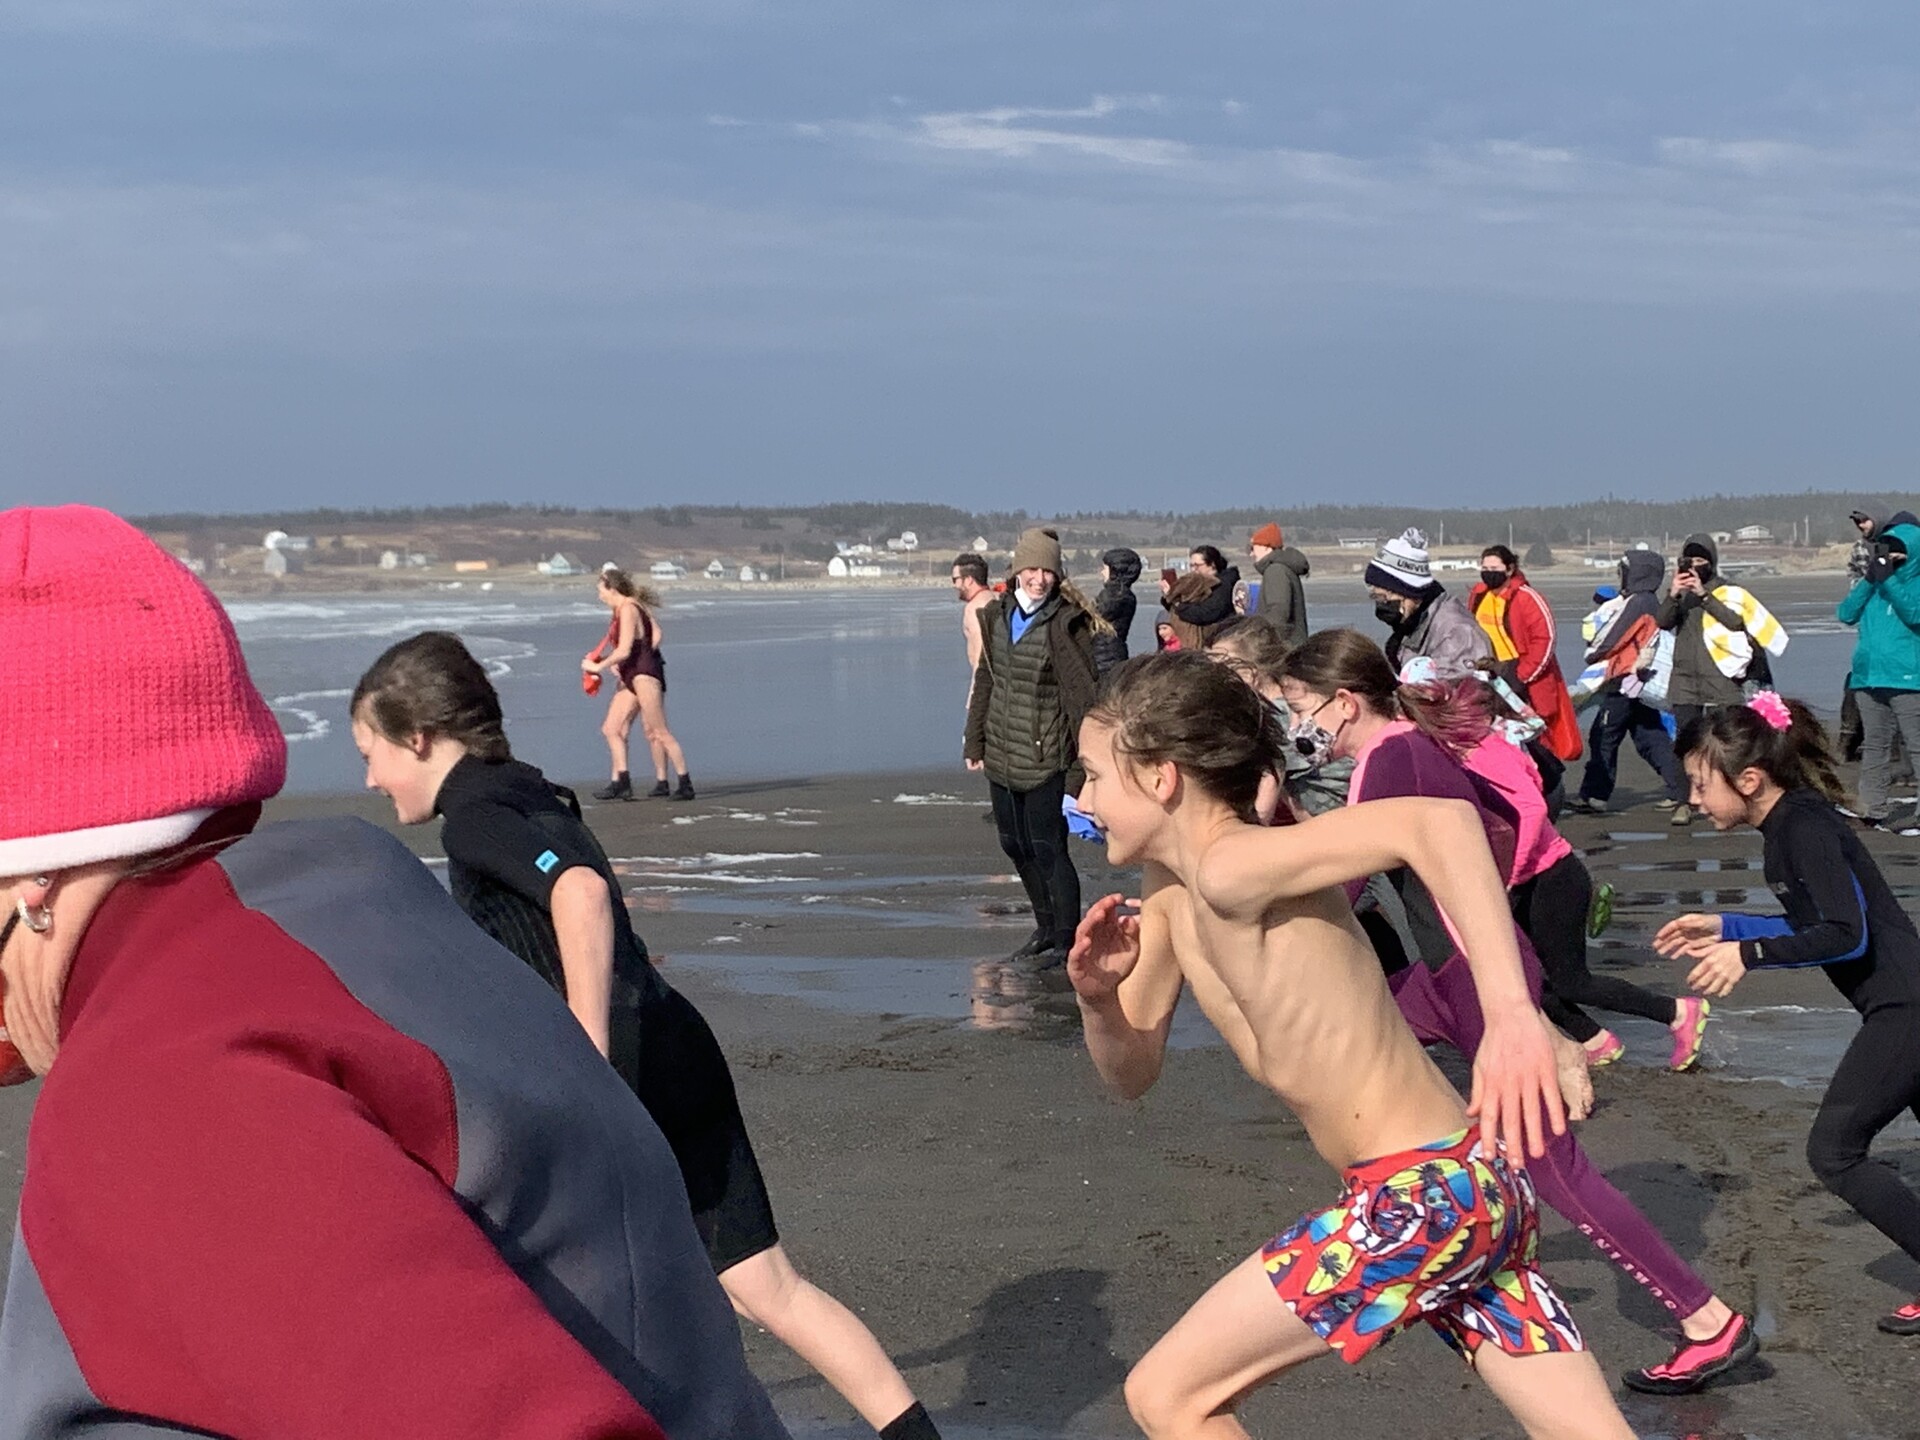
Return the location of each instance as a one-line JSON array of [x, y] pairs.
[[1552, 909], [1033, 832], [1618, 717], [1877, 1078]]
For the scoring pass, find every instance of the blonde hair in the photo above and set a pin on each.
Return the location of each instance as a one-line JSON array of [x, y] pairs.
[[621, 583]]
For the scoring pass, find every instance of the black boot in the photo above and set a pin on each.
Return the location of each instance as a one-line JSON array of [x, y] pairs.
[[685, 792], [620, 789], [660, 791], [1036, 942]]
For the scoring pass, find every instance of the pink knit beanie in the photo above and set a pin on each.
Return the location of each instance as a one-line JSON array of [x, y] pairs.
[[126, 713]]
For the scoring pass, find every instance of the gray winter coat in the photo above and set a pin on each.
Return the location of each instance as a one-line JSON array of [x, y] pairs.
[[1444, 630], [1283, 599]]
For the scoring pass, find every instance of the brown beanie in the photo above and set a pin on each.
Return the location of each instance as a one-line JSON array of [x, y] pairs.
[[1268, 535], [1039, 549]]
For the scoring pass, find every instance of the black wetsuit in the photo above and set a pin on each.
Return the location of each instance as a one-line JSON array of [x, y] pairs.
[[510, 834], [1841, 914]]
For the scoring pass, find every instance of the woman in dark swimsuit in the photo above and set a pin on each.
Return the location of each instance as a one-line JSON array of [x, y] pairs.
[[631, 652], [528, 871]]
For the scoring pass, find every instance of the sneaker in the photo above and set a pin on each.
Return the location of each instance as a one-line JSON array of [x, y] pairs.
[[660, 791], [1581, 805], [620, 789], [1689, 1029], [1682, 815], [1600, 911], [1904, 1321], [685, 792], [1603, 1049], [1696, 1362], [1665, 802]]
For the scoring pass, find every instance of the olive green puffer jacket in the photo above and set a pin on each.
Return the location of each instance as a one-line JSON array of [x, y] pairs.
[[1029, 697]]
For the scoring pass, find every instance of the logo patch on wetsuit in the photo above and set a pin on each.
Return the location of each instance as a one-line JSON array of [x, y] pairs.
[[546, 862]]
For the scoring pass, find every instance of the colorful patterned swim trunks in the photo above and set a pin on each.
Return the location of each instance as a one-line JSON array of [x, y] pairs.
[[1441, 1234]]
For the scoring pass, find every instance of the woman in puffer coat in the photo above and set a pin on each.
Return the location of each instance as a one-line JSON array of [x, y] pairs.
[[1119, 569]]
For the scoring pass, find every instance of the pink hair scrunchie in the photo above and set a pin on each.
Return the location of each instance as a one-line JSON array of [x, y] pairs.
[[1772, 709]]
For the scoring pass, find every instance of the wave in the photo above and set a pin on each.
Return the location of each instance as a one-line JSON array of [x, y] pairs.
[[314, 725]]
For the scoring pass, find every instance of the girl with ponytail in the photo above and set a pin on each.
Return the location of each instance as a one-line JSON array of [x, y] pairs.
[[1399, 731], [1435, 740], [1767, 764]]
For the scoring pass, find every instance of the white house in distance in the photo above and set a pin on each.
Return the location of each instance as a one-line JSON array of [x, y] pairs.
[[560, 565], [905, 542], [666, 570], [716, 569], [281, 540], [389, 559], [1753, 535]]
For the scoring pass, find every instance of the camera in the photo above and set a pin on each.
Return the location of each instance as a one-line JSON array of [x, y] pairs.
[[1887, 548]]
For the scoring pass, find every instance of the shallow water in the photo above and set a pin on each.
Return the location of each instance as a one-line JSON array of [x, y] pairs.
[[761, 684]]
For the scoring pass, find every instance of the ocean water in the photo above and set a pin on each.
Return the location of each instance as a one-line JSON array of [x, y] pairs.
[[761, 685]]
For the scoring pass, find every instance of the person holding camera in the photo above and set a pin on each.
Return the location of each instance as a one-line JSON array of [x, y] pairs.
[[1884, 605], [1722, 637]]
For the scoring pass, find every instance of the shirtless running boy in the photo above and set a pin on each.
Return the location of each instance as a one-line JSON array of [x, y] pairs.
[[1440, 1227]]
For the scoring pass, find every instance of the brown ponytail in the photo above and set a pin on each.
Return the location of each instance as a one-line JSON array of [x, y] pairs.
[[1456, 713], [432, 685]]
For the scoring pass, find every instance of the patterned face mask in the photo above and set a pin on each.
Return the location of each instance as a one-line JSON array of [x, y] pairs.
[[1310, 740]]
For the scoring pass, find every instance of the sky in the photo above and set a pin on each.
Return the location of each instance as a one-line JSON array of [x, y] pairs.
[[1047, 254]]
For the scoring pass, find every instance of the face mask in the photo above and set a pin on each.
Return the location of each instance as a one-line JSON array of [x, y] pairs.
[[1310, 740], [1493, 579], [1388, 612]]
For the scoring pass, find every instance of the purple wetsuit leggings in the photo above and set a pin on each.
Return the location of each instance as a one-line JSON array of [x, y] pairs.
[[1443, 1005]]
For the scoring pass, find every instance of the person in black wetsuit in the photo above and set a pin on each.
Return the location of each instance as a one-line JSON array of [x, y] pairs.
[[528, 871], [1767, 764]]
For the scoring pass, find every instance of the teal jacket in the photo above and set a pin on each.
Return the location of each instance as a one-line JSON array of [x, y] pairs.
[[1888, 616]]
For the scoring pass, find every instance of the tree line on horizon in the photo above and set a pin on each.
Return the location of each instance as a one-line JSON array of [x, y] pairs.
[[1816, 517]]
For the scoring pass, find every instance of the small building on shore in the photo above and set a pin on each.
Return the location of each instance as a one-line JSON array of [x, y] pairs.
[[561, 565], [666, 570]]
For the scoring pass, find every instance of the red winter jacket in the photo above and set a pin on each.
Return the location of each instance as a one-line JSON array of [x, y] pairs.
[[1529, 625]]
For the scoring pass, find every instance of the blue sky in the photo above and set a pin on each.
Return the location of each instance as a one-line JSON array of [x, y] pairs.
[[1052, 253]]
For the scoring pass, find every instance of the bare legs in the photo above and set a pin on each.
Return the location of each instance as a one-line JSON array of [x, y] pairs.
[[652, 701], [1239, 1335], [767, 1290], [616, 727]]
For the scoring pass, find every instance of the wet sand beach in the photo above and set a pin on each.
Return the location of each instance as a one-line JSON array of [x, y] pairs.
[[942, 1158]]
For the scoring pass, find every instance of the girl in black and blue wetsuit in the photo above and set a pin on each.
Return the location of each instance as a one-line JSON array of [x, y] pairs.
[[1767, 764], [528, 871]]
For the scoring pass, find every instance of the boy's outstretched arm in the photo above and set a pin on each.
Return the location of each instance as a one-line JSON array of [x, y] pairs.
[[1123, 970], [1516, 1092]]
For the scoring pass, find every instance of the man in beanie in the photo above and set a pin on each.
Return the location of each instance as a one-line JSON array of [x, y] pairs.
[[1424, 619], [1283, 599], [1034, 685], [313, 1156]]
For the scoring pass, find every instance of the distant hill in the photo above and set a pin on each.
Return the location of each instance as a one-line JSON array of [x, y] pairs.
[[807, 535]]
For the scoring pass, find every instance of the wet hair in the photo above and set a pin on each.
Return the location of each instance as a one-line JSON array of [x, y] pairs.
[[1737, 737], [971, 566], [1255, 642], [432, 685], [1505, 556], [1211, 554], [621, 583], [1456, 713], [1184, 708]]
